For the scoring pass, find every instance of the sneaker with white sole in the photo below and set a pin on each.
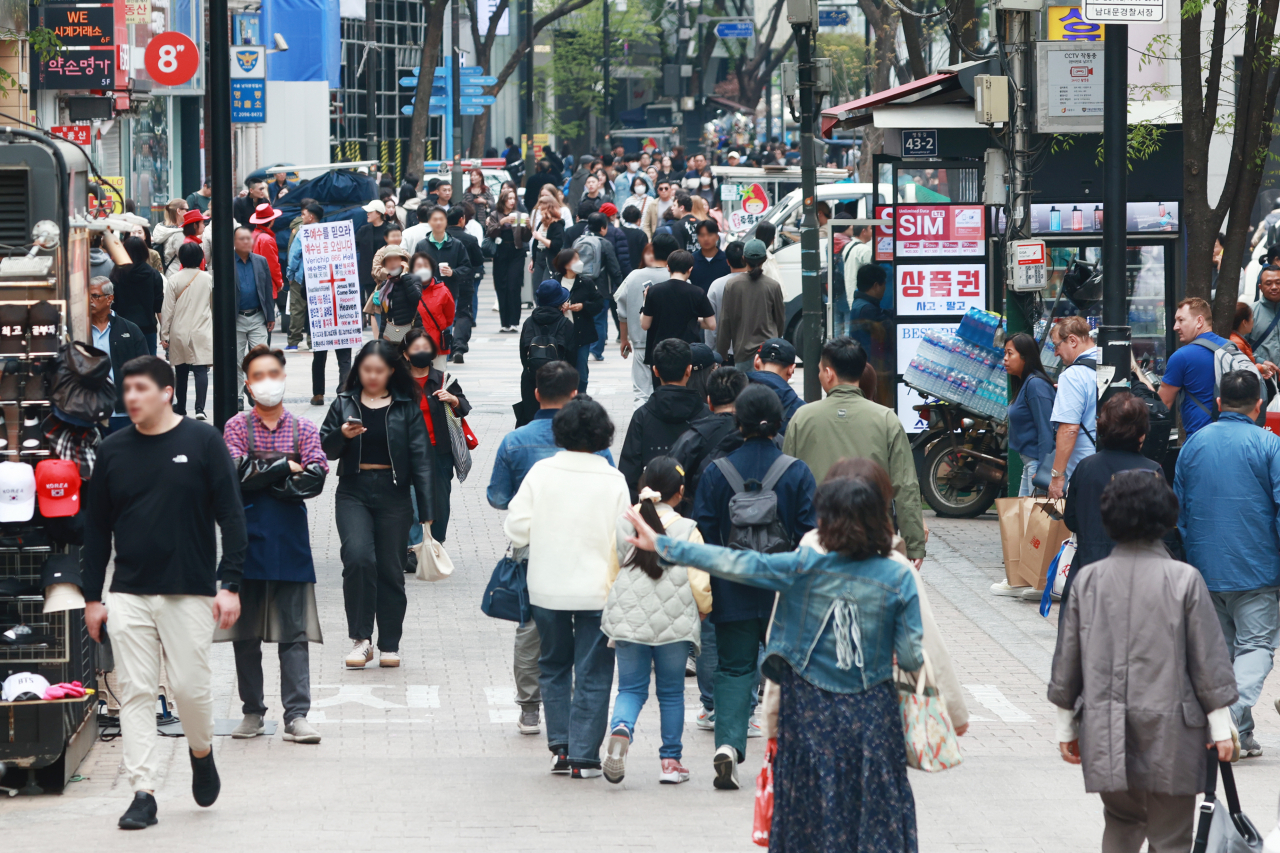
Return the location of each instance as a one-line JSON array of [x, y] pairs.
[[586, 773], [250, 726], [361, 653], [673, 772], [690, 667], [707, 720], [753, 726], [1249, 746], [615, 758], [560, 762], [298, 730], [1003, 588], [528, 722], [389, 659], [725, 763]]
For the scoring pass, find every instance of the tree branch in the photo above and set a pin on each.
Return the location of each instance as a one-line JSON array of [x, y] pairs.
[[539, 25]]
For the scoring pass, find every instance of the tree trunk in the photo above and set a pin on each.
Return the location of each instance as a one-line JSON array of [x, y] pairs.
[[421, 110]]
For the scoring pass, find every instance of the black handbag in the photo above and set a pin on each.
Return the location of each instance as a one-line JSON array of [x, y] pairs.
[[82, 386], [507, 595]]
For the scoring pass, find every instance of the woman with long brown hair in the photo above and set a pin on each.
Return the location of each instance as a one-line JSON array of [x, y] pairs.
[[649, 633], [507, 229]]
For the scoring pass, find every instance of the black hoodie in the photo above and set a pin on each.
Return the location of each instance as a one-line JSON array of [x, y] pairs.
[[549, 321], [705, 441], [655, 426]]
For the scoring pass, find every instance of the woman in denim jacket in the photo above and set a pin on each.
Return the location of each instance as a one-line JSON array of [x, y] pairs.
[[840, 776]]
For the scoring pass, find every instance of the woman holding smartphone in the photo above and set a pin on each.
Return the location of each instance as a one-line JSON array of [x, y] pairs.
[[376, 432]]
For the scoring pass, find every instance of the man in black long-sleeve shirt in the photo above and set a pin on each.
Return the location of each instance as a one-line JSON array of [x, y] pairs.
[[157, 489]]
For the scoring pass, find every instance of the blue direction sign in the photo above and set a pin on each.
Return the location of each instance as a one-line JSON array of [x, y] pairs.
[[439, 101], [411, 82], [407, 109], [482, 80], [833, 17], [470, 70], [472, 111], [481, 101], [473, 90], [735, 29]]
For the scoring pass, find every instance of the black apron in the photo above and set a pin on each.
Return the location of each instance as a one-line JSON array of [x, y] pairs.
[[279, 544]]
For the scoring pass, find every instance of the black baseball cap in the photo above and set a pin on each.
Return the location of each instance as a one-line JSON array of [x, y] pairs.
[[45, 320], [13, 329], [778, 351], [61, 568]]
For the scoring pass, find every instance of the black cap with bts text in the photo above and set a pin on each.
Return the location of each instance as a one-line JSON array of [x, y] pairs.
[[778, 351]]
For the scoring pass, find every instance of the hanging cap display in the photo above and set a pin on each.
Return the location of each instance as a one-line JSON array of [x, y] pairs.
[[17, 491], [58, 487]]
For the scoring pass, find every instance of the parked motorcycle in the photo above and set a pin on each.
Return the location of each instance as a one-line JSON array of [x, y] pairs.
[[961, 459]]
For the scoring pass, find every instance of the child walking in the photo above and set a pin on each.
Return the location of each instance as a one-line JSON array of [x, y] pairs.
[[651, 615]]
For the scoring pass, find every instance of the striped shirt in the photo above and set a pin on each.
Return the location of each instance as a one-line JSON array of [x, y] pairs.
[[236, 434]]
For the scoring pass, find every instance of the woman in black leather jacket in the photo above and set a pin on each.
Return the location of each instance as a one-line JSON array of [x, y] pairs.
[[439, 390], [374, 511]]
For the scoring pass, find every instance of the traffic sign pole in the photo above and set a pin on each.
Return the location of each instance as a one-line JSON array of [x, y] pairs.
[[1114, 335]]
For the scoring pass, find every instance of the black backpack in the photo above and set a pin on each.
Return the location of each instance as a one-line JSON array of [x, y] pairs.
[[543, 348], [753, 513]]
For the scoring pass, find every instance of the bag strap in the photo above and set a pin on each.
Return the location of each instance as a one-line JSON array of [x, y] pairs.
[[1209, 345], [1244, 827], [1255, 341], [1207, 807], [297, 437], [731, 475], [775, 472], [248, 422], [422, 301]]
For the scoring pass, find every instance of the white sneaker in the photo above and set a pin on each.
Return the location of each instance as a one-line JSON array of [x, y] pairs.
[[673, 772], [707, 720], [753, 726], [725, 763], [361, 653], [388, 659], [495, 305], [615, 758], [690, 667], [1003, 588]]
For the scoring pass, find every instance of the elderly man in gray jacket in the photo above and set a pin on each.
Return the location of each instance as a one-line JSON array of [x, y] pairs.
[[255, 305], [1141, 675]]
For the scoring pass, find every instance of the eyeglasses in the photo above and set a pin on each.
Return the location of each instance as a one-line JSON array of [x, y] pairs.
[[94, 297]]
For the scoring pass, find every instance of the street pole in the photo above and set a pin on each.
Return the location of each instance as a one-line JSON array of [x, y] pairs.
[[456, 106], [371, 79], [218, 57], [682, 50], [768, 99], [526, 102], [1114, 335], [604, 65], [810, 263]]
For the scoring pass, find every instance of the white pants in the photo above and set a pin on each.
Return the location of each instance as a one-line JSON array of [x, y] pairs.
[[142, 627], [641, 376], [250, 331]]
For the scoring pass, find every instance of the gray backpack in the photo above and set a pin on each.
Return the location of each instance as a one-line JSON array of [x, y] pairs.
[[753, 513], [590, 252]]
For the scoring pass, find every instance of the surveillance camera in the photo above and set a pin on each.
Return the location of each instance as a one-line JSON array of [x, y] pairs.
[[281, 44]]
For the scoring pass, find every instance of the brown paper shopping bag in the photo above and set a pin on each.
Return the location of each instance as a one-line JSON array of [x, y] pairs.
[[1044, 535], [1013, 514]]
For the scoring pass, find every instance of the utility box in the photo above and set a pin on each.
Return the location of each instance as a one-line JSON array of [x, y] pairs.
[[990, 99], [995, 179], [1027, 266], [802, 11]]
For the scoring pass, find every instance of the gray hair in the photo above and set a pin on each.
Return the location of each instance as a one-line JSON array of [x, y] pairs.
[[108, 289]]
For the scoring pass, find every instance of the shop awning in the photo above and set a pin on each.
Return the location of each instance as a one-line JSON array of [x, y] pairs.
[[858, 112]]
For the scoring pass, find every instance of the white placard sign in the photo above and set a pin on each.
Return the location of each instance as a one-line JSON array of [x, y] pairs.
[[909, 335], [333, 285], [1124, 11], [940, 289]]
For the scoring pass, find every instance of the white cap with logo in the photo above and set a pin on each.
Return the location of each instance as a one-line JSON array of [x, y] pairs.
[[22, 686], [17, 491]]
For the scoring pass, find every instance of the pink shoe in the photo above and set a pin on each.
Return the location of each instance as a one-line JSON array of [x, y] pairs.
[[673, 772]]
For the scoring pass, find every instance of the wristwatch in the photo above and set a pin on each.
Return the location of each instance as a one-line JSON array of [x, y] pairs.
[[1054, 473], [231, 586]]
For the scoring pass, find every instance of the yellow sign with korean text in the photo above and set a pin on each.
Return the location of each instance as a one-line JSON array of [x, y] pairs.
[[1067, 24]]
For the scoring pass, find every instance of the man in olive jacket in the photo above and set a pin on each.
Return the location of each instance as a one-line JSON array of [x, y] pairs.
[[847, 424]]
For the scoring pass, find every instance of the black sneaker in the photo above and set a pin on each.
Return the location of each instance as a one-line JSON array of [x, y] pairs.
[[457, 358], [560, 761], [141, 812], [411, 562], [205, 783]]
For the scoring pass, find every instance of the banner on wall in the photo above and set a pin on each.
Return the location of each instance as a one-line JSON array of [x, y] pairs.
[[939, 230], [333, 285]]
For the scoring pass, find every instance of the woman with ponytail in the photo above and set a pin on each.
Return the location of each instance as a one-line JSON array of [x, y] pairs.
[[651, 615]]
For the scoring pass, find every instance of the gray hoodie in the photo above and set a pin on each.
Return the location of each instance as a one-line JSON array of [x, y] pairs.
[[100, 264]]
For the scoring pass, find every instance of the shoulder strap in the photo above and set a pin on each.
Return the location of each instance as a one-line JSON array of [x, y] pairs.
[[1088, 363], [775, 472], [297, 436], [1258, 339], [1209, 345], [730, 474], [422, 300], [248, 423]]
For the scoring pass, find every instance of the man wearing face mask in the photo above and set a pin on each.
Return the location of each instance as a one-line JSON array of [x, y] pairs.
[[622, 185], [280, 463]]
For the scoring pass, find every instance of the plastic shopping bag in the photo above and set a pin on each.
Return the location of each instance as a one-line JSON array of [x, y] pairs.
[[763, 821]]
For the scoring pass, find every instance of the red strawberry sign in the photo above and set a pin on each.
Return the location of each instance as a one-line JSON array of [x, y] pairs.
[[754, 200]]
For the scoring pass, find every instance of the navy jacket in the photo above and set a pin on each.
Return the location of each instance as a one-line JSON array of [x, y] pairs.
[[790, 400], [732, 601], [1030, 431]]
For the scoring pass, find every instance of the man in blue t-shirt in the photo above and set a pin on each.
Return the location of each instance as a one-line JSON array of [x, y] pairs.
[[1190, 369], [1075, 408]]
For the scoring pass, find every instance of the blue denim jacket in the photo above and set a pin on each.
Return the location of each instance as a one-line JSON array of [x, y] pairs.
[[838, 622], [519, 451], [1228, 488]]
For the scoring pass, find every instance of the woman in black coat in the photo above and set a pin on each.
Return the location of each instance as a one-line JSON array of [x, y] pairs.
[[585, 302], [420, 351], [139, 295]]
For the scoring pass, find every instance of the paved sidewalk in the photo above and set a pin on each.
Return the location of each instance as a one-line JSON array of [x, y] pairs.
[[427, 755]]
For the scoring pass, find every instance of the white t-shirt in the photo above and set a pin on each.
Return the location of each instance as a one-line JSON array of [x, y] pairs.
[[630, 299]]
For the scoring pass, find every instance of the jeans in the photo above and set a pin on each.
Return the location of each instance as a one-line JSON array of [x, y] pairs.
[[151, 342], [374, 516], [667, 662], [738, 648], [295, 677], [298, 322], [475, 299], [576, 674], [181, 372], [602, 331], [707, 661], [1251, 625], [442, 475], [584, 367], [508, 276], [319, 358], [1029, 468]]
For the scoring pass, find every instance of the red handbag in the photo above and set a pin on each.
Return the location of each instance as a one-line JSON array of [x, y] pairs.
[[472, 441], [763, 821]]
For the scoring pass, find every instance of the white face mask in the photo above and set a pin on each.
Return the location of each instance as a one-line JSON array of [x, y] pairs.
[[577, 267], [392, 271], [633, 166], [705, 181], [424, 272], [268, 392]]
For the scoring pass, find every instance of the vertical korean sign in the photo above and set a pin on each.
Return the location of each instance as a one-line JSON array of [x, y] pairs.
[[333, 285]]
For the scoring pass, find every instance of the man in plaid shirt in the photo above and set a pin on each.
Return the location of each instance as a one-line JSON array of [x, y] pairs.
[[280, 462]]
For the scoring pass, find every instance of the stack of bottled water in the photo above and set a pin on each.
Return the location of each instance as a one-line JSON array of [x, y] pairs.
[[955, 369], [982, 328]]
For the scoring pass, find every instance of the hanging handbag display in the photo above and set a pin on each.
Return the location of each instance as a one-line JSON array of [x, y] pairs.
[[507, 595], [457, 436], [434, 563], [82, 392], [931, 739], [762, 822]]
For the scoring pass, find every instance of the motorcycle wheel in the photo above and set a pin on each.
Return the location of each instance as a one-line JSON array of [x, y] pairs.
[[950, 486]]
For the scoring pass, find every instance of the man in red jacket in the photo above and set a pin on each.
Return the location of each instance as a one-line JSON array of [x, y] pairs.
[[264, 244]]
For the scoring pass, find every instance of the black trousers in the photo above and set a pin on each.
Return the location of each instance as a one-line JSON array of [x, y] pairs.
[[295, 678], [508, 277], [374, 515], [319, 358], [181, 372], [462, 319]]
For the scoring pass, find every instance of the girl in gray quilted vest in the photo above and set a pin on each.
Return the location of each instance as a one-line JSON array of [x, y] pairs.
[[651, 615]]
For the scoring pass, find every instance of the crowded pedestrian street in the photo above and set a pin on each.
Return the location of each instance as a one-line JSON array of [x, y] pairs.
[[428, 754]]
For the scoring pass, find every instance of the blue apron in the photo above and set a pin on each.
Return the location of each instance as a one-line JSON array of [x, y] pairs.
[[279, 543]]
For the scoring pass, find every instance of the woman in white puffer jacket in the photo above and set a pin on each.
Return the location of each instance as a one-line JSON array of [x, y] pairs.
[[651, 615]]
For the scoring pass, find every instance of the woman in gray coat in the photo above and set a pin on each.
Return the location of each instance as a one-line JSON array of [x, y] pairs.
[[1141, 675]]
